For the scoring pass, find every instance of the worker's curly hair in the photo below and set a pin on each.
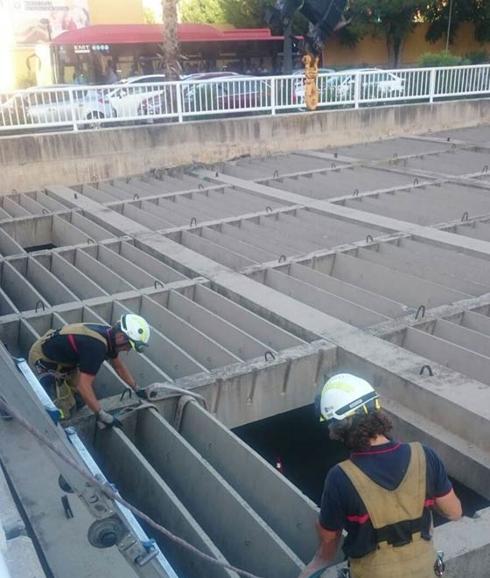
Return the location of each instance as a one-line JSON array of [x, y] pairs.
[[356, 431]]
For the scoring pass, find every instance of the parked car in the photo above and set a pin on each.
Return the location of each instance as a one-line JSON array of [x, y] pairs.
[[226, 92], [126, 99], [64, 106], [15, 109], [375, 83], [251, 93]]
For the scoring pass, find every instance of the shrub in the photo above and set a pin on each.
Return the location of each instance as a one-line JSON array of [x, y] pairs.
[[443, 58], [478, 57]]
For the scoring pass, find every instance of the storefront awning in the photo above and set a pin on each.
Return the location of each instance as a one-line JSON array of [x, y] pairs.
[[153, 34]]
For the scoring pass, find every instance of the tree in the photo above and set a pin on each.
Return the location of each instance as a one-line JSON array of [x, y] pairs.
[[393, 19], [171, 53], [203, 11], [475, 11]]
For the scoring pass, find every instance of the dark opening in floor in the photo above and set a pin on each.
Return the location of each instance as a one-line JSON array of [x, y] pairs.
[[46, 247], [300, 445]]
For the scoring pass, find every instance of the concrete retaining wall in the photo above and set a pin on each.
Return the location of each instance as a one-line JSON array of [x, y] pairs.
[[30, 162]]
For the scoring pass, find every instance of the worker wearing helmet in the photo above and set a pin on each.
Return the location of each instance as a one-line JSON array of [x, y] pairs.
[[382, 495], [66, 361]]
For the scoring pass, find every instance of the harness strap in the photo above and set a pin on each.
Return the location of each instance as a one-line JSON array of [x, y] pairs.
[[400, 533], [72, 342]]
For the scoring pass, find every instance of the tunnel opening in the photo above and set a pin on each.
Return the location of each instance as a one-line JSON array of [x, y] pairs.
[[298, 445]]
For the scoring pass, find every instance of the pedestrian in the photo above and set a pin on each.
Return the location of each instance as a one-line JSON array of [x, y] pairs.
[[383, 495], [67, 360], [110, 73]]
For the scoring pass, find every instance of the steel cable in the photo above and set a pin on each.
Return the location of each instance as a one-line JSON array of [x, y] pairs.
[[109, 492]]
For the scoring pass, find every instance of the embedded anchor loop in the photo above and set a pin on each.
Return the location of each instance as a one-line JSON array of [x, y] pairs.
[[193, 222], [420, 310], [275, 174], [40, 304], [45, 212], [485, 169], [90, 241], [136, 197], [200, 186], [428, 368], [269, 356], [465, 217], [157, 284], [65, 502], [355, 193], [369, 239], [268, 209], [333, 165], [415, 181], [282, 258]]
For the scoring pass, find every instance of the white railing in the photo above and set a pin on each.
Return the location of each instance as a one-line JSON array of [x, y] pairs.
[[80, 107]]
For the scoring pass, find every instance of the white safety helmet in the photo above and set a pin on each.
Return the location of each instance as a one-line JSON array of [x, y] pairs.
[[136, 330], [345, 395]]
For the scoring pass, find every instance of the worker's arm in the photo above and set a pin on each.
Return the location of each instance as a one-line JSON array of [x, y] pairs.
[[329, 543], [86, 390], [123, 372], [449, 506]]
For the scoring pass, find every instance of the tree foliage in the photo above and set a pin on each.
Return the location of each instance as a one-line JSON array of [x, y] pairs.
[[237, 13], [475, 11], [202, 11], [391, 19]]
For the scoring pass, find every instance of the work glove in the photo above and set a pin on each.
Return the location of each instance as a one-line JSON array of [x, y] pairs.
[[106, 421], [142, 393]]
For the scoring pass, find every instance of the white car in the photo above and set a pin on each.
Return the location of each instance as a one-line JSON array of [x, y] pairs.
[[375, 83], [126, 100], [64, 104], [92, 103]]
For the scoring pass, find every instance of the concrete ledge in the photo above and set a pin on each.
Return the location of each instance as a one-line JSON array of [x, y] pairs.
[[31, 162], [10, 520], [22, 560]]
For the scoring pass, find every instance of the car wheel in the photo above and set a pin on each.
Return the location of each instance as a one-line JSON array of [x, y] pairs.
[[95, 115]]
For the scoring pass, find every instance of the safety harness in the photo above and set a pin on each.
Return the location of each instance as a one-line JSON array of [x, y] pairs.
[[64, 374], [397, 519]]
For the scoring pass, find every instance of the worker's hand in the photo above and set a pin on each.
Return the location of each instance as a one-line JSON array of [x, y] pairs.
[[141, 393], [106, 421]]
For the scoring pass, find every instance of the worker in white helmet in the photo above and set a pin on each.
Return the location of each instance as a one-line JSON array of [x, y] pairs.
[[67, 360], [382, 496]]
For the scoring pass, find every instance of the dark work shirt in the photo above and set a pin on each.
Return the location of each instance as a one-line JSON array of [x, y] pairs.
[[387, 464], [90, 354]]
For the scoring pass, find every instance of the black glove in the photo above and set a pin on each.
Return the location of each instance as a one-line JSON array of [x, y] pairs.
[[142, 393], [106, 421]]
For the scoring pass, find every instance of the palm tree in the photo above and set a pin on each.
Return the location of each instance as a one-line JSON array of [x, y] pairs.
[[171, 53]]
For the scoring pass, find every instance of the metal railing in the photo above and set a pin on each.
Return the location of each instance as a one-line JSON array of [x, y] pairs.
[[80, 107]]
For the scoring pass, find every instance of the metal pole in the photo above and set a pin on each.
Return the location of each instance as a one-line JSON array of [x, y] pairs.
[[287, 63], [449, 23]]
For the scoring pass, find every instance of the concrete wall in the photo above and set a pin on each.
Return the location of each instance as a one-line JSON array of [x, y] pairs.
[[372, 51], [31, 162]]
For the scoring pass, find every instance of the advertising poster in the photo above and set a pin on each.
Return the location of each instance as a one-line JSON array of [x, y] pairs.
[[38, 21]]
